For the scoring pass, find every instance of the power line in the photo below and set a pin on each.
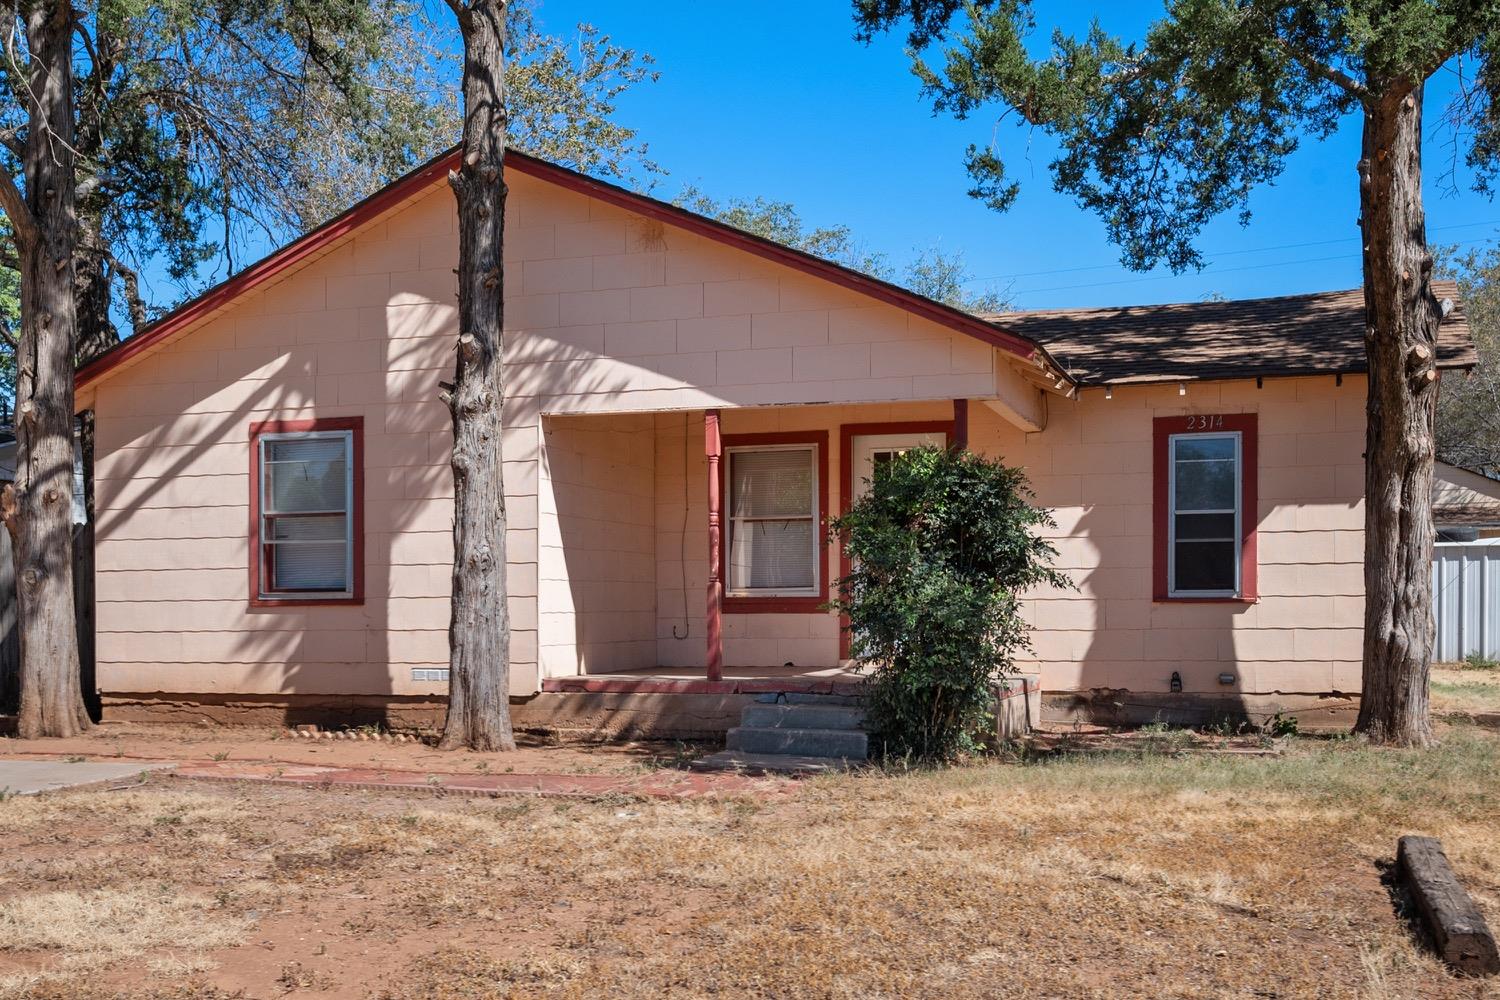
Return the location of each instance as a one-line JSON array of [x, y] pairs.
[[1225, 270], [1217, 254]]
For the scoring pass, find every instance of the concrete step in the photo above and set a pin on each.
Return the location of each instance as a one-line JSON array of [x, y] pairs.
[[807, 698], [850, 743], [770, 763], [802, 717]]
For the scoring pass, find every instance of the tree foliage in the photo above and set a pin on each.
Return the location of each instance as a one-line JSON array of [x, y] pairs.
[[561, 91], [929, 272], [942, 547], [1160, 136], [1468, 421]]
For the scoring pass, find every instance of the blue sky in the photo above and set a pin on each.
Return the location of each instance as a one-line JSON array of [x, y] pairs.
[[777, 99]]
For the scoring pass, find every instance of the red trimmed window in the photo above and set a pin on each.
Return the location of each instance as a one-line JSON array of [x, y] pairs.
[[775, 513], [1204, 472], [306, 517]]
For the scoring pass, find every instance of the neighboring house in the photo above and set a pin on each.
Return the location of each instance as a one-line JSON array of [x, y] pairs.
[[8, 470], [1465, 504], [1466, 563], [274, 498]]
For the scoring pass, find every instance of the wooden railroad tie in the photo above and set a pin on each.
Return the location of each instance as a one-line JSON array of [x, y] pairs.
[[1458, 929]]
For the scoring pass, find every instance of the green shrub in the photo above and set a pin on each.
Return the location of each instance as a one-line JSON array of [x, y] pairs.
[[1478, 661], [941, 547]]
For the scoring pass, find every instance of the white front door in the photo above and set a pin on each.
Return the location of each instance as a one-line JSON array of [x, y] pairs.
[[871, 450]]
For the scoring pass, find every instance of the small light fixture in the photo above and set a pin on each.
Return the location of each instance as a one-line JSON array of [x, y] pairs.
[[1109, 392], [1226, 678], [1182, 388], [1176, 682]]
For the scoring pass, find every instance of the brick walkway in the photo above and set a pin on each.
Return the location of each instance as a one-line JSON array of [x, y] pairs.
[[664, 784]]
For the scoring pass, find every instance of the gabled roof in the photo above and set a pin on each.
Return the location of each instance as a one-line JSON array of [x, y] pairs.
[[317, 242], [1318, 334]]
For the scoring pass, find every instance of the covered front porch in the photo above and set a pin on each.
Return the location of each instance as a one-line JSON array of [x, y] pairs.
[[686, 552]]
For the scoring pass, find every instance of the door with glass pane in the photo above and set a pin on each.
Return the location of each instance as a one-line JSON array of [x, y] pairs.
[[870, 451]]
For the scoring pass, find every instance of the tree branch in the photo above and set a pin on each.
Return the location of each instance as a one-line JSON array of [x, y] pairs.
[[1323, 71], [135, 305], [89, 185], [14, 207]]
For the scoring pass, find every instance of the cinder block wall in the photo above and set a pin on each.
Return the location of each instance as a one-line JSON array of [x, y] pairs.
[[597, 556], [1092, 466]]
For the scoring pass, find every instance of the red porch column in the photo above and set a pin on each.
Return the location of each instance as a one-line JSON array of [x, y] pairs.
[[713, 447], [961, 424]]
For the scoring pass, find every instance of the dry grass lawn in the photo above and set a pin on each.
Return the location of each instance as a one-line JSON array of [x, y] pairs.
[[1459, 688], [1150, 876]]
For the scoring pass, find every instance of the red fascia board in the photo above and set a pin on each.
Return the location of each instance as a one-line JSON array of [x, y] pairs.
[[322, 238]]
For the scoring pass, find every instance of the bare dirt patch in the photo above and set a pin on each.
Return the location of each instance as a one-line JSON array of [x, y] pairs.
[[148, 741], [1150, 875]]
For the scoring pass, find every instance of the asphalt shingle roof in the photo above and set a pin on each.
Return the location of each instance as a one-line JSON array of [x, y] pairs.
[[1321, 333]]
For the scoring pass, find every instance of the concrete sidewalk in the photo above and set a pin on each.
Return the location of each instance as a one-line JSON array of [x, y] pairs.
[[33, 777]]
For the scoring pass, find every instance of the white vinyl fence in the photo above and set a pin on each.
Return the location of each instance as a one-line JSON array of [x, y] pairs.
[[1466, 598]]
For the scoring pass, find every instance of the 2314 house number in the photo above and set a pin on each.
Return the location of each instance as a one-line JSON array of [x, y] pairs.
[[1206, 423]]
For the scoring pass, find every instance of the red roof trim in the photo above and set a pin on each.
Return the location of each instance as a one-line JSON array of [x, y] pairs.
[[388, 197]]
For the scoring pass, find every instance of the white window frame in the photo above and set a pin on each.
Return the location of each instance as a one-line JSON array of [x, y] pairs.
[[1239, 503], [264, 514], [731, 523]]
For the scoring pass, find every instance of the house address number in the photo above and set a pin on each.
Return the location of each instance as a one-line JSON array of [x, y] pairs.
[[1207, 422]]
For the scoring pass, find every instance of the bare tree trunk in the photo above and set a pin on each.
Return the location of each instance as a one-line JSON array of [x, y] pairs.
[[479, 630], [10, 639], [1402, 317], [41, 519]]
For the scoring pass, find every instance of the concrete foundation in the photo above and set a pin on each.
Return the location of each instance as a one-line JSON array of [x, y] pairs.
[[584, 714], [709, 715], [1018, 707], [609, 715], [388, 711], [1116, 707]]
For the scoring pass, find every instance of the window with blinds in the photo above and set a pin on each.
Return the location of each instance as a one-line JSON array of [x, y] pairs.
[[773, 521], [306, 523], [1204, 521]]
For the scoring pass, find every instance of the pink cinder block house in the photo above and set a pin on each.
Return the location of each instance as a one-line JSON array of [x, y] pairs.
[[274, 499]]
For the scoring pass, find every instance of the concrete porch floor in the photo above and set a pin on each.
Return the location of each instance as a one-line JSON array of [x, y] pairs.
[[692, 680]]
